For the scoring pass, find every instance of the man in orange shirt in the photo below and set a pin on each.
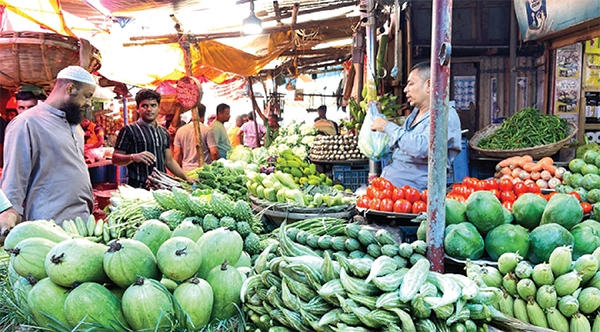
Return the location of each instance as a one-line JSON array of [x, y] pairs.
[[233, 131], [94, 134]]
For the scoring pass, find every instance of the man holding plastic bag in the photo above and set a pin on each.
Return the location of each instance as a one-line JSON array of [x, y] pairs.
[[410, 142]]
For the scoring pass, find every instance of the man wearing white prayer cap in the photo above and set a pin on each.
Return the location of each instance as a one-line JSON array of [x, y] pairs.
[[45, 175]]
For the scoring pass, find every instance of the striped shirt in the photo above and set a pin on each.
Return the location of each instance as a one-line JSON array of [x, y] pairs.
[[139, 137]]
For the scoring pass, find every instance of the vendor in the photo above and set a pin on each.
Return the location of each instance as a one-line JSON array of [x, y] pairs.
[[45, 175], [323, 125], [143, 145], [409, 162], [94, 134], [271, 121]]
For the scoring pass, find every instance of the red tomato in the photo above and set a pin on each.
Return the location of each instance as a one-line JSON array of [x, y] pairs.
[[508, 196], [468, 192], [496, 192], [456, 186], [418, 207], [519, 188], [387, 185], [397, 194], [550, 195], [405, 187], [505, 185], [466, 181], [386, 193], [492, 184], [371, 191], [402, 206], [575, 194], [412, 195], [472, 183], [532, 187], [387, 205], [363, 202], [424, 196], [461, 190], [587, 207], [377, 183], [481, 185], [508, 205], [375, 204]]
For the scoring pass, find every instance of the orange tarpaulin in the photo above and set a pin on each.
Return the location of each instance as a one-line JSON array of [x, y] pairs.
[[46, 13], [219, 62]]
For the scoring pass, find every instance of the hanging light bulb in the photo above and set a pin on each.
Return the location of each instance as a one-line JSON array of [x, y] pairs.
[[252, 25]]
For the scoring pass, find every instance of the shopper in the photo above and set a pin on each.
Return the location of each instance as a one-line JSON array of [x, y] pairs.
[[411, 141], [184, 147], [324, 125], [9, 217], [251, 132], [232, 132], [45, 175], [144, 145], [219, 131], [11, 113], [211, 118], [28, 97]]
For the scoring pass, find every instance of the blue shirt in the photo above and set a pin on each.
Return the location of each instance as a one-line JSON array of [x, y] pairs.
[[221, 137], [410, 144]]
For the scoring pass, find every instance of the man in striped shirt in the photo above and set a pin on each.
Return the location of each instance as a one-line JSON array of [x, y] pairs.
[[143, 145]]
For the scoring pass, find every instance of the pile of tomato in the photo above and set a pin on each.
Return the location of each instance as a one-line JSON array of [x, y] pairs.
[[504, 190], [382, 195]]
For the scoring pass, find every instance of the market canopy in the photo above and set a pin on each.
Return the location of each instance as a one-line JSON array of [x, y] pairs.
[[140, 46]]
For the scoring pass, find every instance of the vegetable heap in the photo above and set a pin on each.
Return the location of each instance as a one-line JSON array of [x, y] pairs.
[[339, 147], [561, 295], [583, 177], [227, 180], [296, 137], [159, 280], [526, 128], [524, 169], [334, 289]]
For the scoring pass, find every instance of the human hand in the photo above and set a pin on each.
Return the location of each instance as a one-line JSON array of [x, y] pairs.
[[379, 124], [191, 180], [8, 220], [172, 130], [144, 157]]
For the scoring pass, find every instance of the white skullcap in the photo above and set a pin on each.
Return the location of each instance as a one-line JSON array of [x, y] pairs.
[[76, 73]]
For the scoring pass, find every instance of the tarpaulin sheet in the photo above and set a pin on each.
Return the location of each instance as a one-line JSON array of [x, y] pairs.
[[46, 13]]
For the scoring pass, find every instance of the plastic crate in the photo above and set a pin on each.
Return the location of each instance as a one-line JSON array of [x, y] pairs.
[[351, 176]]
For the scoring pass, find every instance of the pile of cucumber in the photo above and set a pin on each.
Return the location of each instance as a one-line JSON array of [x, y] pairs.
[[561, 295], [333, 288]]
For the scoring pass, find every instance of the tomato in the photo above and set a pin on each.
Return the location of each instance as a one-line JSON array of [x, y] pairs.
[[532, 187], [405, 187], [507, 196], [418, 207], [472, 183], [397, 194], [456, 186], [492, 184], [363, 202], [508, 205], [386, 193], [424, 196], [387, 205], [402, 206], [481, 185], [587, 207], [412, 195], [468, 192], [387, 185], [575, 194], [465, 181], [371, 191], [505, 185], [550, 195], [519, 188], [375, 204], [496, 192], [461, 190]]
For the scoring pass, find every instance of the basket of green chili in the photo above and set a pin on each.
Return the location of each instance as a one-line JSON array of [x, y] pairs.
[[527, 132]]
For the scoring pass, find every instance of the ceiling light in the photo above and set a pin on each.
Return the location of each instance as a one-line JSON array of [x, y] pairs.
[[252, 25]]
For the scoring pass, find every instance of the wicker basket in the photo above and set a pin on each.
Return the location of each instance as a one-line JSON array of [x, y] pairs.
[[536, 152], [36, 57]]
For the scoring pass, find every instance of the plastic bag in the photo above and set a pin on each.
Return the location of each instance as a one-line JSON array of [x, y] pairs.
[[373, 144]]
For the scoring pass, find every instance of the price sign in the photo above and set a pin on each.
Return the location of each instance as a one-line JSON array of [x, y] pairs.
[[189, 92]]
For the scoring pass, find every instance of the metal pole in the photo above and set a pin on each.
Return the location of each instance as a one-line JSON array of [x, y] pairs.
[[513, 61], [125, 113], [371, 32], [441, 33]]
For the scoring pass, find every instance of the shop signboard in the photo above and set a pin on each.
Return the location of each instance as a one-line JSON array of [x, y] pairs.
[[540, 18], [567, 86]]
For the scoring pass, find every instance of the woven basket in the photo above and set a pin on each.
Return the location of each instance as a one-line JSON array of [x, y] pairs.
[[536, 152], [36, 58]]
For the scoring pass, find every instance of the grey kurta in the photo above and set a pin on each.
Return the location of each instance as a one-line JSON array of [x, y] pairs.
[[45, 175]]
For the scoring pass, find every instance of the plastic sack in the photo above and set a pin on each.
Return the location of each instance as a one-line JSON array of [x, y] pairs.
[[373, 144]]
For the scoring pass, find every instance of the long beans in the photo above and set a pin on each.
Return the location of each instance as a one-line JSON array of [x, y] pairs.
[[526, 128]]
